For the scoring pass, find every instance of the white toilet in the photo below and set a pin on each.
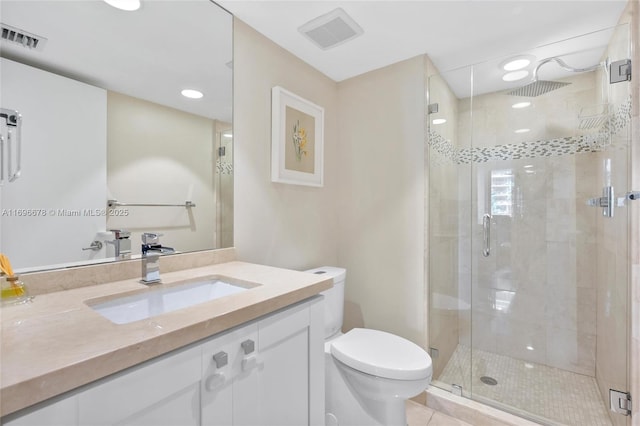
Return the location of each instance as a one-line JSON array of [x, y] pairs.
[[369, 373]]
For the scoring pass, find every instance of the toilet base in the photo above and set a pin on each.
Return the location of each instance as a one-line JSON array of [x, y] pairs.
[[345, 407]]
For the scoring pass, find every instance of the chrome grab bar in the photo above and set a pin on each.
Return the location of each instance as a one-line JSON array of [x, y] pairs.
[[116, 203], [486, 233], [1, 159]]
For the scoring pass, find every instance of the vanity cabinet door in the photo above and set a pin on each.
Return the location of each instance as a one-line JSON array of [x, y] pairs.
[[230, 381], [165, 391], [63, 412], [285, 375]]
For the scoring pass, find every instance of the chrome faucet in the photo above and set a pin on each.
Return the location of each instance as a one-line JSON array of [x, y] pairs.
[[151, 251], [121, 243]]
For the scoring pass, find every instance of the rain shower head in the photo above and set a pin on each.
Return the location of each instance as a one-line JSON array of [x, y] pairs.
[[537, 88], [540, 87]]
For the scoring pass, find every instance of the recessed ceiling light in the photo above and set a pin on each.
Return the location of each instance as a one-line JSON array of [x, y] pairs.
[[515, 75], [439, 121], [515, 63], [227, 135], [128, 5], [192, 94], [522, 131], [521, 105], [530, 348]]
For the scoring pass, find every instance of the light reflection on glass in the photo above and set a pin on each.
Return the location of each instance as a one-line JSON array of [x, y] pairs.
[[502, 300], [502, 182]]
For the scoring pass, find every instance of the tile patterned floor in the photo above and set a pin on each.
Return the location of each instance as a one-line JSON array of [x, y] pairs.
[[549, 393], [420, 415]]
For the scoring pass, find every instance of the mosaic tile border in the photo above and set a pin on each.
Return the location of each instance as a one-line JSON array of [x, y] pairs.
[[223, 167], [571, 145]]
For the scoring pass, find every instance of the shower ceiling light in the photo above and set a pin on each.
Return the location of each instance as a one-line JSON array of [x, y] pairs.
[[517, 62], [192, 94], [128, 5], [521, 105], [522, 130], [515, 75], [439, 121]]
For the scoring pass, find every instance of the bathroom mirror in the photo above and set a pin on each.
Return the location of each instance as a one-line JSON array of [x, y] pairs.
[[107, 141]]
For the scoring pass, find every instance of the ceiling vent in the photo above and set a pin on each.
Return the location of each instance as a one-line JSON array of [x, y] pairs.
[[331, 29], [21, 37]]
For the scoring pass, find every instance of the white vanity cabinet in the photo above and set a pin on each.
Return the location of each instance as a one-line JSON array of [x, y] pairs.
[[266, 372], [162, 392], [230, 378]]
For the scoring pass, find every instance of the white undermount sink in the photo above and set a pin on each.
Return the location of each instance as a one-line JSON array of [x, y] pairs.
[[126, 309]]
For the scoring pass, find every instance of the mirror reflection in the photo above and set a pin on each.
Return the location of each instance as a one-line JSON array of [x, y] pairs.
[[125, 127]]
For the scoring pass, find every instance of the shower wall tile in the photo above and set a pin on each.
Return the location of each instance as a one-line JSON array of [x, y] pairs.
[[522, 340], [484, 331], [613, 308], [570, 351], [543, 255], [442, 238], [540, 254]]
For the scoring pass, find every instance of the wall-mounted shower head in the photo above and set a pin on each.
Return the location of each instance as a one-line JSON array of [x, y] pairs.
[[540, 87], [537, 88]]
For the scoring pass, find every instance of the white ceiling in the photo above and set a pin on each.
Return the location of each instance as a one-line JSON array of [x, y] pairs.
[[152, 53], [167, 45], [454, 33]]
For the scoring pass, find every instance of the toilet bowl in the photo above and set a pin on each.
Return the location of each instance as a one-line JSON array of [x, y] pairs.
[[369, 374]]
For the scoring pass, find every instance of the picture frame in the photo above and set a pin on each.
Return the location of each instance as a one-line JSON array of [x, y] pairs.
[[297, 139]]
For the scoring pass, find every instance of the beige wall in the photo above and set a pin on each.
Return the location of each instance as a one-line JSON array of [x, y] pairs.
[[381, 198], [157, 154], [369, 215], [282, 225]]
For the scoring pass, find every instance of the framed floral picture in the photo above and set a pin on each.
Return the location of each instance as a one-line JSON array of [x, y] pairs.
[[297, 139]]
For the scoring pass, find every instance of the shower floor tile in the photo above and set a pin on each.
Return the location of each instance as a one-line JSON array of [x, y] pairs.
[[552, 395]]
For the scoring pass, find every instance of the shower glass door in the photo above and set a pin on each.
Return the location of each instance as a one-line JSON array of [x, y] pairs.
[[528, 233]]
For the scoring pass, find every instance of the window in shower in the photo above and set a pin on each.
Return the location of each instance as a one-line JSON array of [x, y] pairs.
[[502, 183]]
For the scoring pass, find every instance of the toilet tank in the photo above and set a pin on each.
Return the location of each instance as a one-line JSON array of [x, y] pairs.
[[333, 299]]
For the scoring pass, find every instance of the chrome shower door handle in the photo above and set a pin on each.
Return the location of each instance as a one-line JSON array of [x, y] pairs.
[[13, 121], [1, 159], [486, 235], [10, 139]]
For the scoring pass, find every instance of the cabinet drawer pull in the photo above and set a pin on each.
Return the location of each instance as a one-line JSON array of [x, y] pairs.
[[248, 346], [221, 359]]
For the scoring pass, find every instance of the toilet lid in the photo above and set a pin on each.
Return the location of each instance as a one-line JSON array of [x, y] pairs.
[[382, 354]]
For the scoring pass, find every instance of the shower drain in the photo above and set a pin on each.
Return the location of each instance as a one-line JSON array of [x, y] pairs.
[[488, 380]]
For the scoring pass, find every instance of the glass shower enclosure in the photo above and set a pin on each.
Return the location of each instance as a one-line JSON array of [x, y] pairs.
[[527, 231]]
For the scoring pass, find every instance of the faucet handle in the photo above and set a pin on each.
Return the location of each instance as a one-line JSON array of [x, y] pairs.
[[151, 238]]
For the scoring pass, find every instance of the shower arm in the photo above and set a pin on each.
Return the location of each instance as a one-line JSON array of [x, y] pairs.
[[564, 66]]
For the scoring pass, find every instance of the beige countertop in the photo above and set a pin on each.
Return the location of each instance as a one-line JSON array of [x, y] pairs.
[[57, 342]]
